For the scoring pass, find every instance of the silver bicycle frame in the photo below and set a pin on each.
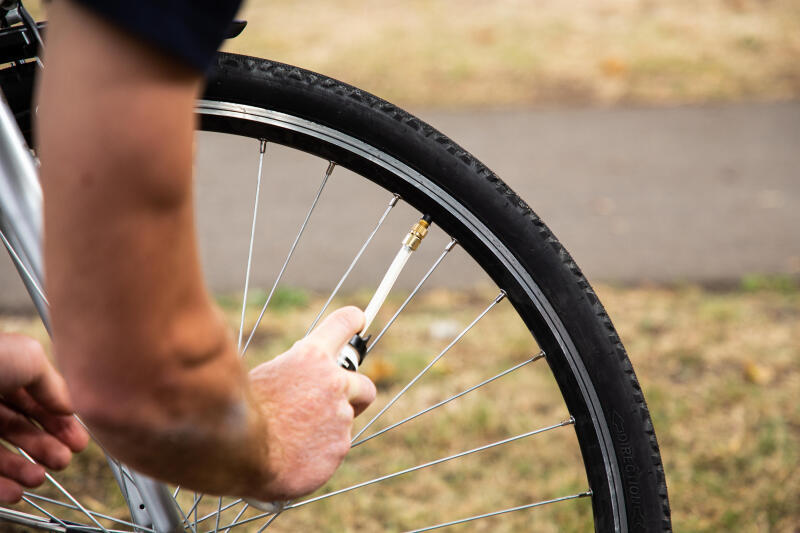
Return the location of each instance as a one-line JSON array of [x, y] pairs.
[[150, 502]]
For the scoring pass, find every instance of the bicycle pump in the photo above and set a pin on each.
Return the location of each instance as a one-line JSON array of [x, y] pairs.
[[352, 353]]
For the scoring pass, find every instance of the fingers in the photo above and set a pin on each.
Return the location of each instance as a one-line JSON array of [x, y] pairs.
[[25, 365], [333, 332], [18, 471], [22, 359], [360, 391], [63, 427], [10, 492], [50, 390], [42, 446]]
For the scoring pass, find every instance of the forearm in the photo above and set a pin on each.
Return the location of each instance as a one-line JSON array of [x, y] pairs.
[[148, 360]]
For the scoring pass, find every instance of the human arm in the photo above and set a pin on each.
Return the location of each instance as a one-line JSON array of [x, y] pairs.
[[148, 359]]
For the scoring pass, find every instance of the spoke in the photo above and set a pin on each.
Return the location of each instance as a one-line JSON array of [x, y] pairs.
[[175, 494], [219, 512], [42, 510], [327, 175], [186, 519], [270, 521], [447, 249], [193, 509], [261, 149], [248, 520], [432, 463], [504, 511], [429, 365], [392, 203], [224, 508], [74, 508], [450, 399], [65, 492], [27, 519], [238, 516]]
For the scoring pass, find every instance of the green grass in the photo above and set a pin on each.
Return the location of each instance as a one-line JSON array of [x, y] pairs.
[[720, 371]]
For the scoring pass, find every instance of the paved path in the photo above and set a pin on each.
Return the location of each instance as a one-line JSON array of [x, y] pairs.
[[704, 194]]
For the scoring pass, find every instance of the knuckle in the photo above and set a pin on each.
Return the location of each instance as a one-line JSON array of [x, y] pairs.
[[310, 349], [305, 350], [298, 345]]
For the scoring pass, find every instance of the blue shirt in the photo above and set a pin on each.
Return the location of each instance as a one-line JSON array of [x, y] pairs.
[[188, 30]]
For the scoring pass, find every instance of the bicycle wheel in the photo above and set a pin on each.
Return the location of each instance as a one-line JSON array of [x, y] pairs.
[[621, 486]]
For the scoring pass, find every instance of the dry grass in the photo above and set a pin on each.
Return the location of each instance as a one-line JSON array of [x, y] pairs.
[[721, 371], [517, 53], [504, 53]]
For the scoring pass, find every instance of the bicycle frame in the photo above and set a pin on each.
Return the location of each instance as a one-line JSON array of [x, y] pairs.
[[151, 505]]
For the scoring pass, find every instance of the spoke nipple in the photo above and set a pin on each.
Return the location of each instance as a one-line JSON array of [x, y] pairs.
[[500, 296], [450, 245], [587, 493], [263, 146], [570, 420], [538, 356], [394, 200], [331, 166]]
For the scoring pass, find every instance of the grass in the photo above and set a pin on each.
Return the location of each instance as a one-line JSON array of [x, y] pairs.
[[509, 53], [720, 370]]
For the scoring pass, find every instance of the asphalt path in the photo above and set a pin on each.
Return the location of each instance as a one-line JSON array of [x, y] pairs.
[[696, 194]]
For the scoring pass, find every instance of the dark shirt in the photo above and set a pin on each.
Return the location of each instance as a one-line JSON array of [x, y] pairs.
[[188, 30]]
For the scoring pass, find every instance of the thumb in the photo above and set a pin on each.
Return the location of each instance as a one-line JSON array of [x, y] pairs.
[[337, 329]]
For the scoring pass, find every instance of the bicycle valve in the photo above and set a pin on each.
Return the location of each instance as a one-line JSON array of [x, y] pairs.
[[352, 354]]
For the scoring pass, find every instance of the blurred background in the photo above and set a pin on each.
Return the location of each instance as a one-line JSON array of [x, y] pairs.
[[659, 140]]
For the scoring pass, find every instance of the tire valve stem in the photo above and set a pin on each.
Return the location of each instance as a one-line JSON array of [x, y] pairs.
[[352, 354]]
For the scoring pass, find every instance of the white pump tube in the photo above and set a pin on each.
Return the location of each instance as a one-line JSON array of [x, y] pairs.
[[385, 286]]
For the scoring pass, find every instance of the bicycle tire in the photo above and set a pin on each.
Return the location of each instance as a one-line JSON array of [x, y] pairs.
[[297, 92], [504, 236]]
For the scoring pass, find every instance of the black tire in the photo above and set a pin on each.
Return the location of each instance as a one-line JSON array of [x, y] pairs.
[[565, 315], [514, 247]]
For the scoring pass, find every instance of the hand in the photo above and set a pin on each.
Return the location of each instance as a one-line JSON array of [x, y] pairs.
[[30, 388], [309, 403]]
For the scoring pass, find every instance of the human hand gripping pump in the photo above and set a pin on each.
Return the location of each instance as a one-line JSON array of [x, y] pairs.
[[352, 354]]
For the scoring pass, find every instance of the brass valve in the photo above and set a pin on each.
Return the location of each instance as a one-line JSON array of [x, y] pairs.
[[417, 233]]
